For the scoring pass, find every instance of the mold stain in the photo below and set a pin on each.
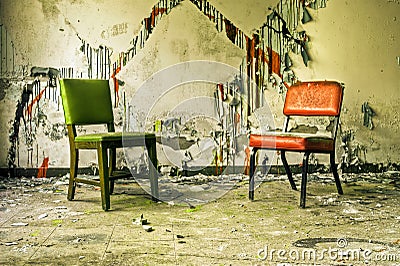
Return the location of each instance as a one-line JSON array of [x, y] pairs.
[[3, 86], [14, 134], [55, 131], [49, 7]]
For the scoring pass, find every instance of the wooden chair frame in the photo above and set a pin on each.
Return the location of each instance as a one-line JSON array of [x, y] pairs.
[[104, 143]]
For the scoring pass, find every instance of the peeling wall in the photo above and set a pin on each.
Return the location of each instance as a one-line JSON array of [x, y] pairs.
[[355, 42]]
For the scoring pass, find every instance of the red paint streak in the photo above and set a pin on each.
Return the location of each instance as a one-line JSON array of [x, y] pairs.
[[274, 61], [252, 48], [43, 168], [153, 17], [37, 98], [159, 10], [221, 91], [154, 13], [247, 161], [115, 80]]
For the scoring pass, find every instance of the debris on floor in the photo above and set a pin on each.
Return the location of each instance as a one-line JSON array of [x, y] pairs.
[[140, 221], [230, 228]]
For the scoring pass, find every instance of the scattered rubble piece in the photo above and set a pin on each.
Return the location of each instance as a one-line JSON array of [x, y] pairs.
[[222, 248], [180, 237], [78, 240], [75, 213], [350, 211], [147, 228], [62, 209], [24, 248], [11, 243], [242, 255], [140, 221], [19, 224], [143, 222], [42, 216]]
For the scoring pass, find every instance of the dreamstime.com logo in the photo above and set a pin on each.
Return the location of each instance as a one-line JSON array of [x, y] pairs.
[[181, 81], [338, 253]]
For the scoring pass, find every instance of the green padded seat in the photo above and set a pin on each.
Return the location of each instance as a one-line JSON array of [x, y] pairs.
[[111, 136]]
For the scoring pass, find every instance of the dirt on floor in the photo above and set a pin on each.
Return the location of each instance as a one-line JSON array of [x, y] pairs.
[[39, 226]]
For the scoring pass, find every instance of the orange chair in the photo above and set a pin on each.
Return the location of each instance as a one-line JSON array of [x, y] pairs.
[[316, 98]]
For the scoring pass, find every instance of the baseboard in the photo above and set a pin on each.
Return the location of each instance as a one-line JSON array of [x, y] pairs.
[[210, 170], [32, 172]]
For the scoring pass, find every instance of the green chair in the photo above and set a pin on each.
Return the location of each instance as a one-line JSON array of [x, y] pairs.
[[88, 102]]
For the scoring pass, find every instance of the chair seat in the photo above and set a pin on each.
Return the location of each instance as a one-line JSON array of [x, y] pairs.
[[292, 142], [111, 136]]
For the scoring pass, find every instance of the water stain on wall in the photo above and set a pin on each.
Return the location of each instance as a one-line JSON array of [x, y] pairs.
[[50, 8], [3, 85], [14, 131]]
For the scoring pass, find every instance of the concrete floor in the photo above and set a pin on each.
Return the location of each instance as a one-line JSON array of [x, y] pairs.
[[38, 225]]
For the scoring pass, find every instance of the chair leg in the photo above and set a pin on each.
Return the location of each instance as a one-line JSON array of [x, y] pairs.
[[251, 174], [335, 173], [287, 169], [153, 173], [111, 186], [104, 179], [304, 180], [113, 166], [74, 159]]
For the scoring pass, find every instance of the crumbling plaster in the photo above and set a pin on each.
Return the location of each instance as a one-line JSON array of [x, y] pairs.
[[355, 42]]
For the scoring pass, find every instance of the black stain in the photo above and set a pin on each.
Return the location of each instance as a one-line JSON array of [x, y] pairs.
[[19, 114], [3, 85]]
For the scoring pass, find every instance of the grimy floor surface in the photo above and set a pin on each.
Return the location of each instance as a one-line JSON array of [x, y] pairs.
[[39, 226]]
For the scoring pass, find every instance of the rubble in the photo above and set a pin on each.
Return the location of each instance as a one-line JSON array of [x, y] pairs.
[[367, 209], [19, 224]]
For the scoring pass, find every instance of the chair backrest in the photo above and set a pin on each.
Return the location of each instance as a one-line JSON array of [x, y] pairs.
[[86, 101], [315, 98]]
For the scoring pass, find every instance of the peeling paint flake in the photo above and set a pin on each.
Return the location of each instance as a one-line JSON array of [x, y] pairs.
[[368, 114]]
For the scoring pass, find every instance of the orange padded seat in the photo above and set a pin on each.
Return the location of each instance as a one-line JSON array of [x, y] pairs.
[[315, 98], [292, 142]]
